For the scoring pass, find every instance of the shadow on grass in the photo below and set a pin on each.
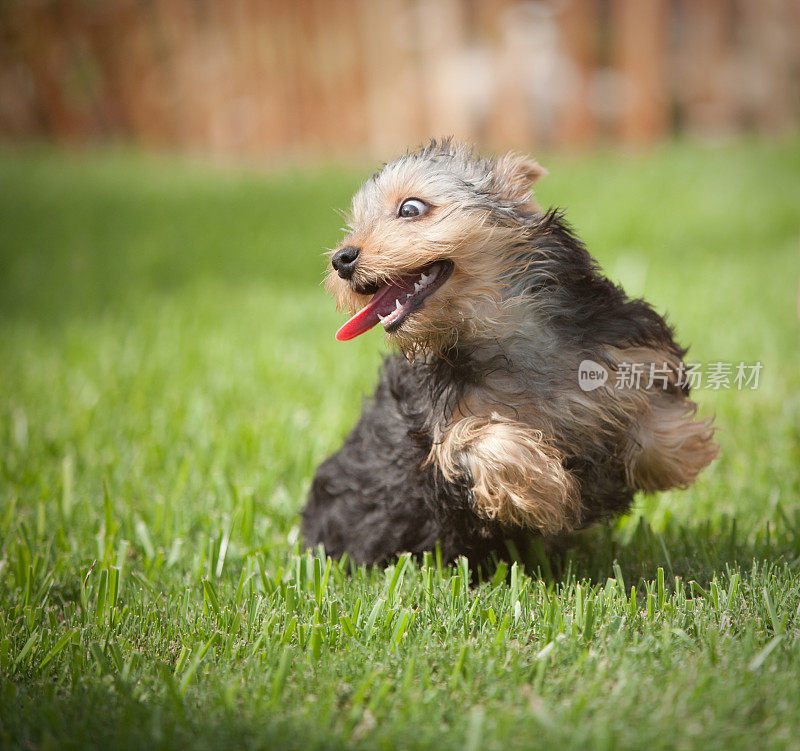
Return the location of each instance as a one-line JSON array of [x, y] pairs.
[[115, 714], [692, 551]]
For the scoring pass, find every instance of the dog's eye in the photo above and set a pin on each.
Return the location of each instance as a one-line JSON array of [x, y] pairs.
[[411, 208]]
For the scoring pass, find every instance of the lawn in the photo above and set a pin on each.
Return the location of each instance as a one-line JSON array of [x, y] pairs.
[[169, 380]]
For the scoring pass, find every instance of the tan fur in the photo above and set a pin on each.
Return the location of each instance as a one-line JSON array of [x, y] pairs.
[[471, 299], [517, 174], [517, 478], [669, 446], [471, 295]]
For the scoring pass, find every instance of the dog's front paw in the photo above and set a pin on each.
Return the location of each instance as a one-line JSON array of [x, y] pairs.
[[515, 475]]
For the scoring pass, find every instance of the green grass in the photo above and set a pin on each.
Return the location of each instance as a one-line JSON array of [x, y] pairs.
[[169, 381]]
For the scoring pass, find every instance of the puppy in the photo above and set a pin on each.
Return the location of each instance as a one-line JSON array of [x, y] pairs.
[[481, 428]]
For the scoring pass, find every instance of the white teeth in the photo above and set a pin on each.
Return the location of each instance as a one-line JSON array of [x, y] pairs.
[[398, 306], [417, 287], [382, 318], [424, 278]]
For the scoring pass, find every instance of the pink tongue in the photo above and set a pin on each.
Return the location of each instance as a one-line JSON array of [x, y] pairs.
[[367, 317]]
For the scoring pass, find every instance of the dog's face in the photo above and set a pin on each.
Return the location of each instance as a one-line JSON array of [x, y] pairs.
[[428, 243]]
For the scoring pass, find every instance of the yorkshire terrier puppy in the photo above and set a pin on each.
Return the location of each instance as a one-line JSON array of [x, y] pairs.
[[484, 426]]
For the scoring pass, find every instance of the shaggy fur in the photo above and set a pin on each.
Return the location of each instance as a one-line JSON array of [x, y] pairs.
[[479, 430]]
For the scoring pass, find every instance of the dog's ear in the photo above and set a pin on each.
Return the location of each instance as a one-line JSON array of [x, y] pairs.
[[515, 176]]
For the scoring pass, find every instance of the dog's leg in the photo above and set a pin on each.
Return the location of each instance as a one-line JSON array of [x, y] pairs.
[[516, 476], [669, 446]]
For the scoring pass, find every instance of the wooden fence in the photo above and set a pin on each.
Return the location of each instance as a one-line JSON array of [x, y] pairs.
[[338, 77]]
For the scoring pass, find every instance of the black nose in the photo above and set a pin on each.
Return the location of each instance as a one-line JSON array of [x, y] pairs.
[[344, 261]]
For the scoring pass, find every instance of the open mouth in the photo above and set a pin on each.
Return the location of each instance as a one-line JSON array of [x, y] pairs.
[[394, 302]]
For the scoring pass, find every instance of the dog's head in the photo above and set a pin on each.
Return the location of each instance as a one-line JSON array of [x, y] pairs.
[[431, 235]]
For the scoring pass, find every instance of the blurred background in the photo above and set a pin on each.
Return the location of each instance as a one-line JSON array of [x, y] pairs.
[[365, 78]]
